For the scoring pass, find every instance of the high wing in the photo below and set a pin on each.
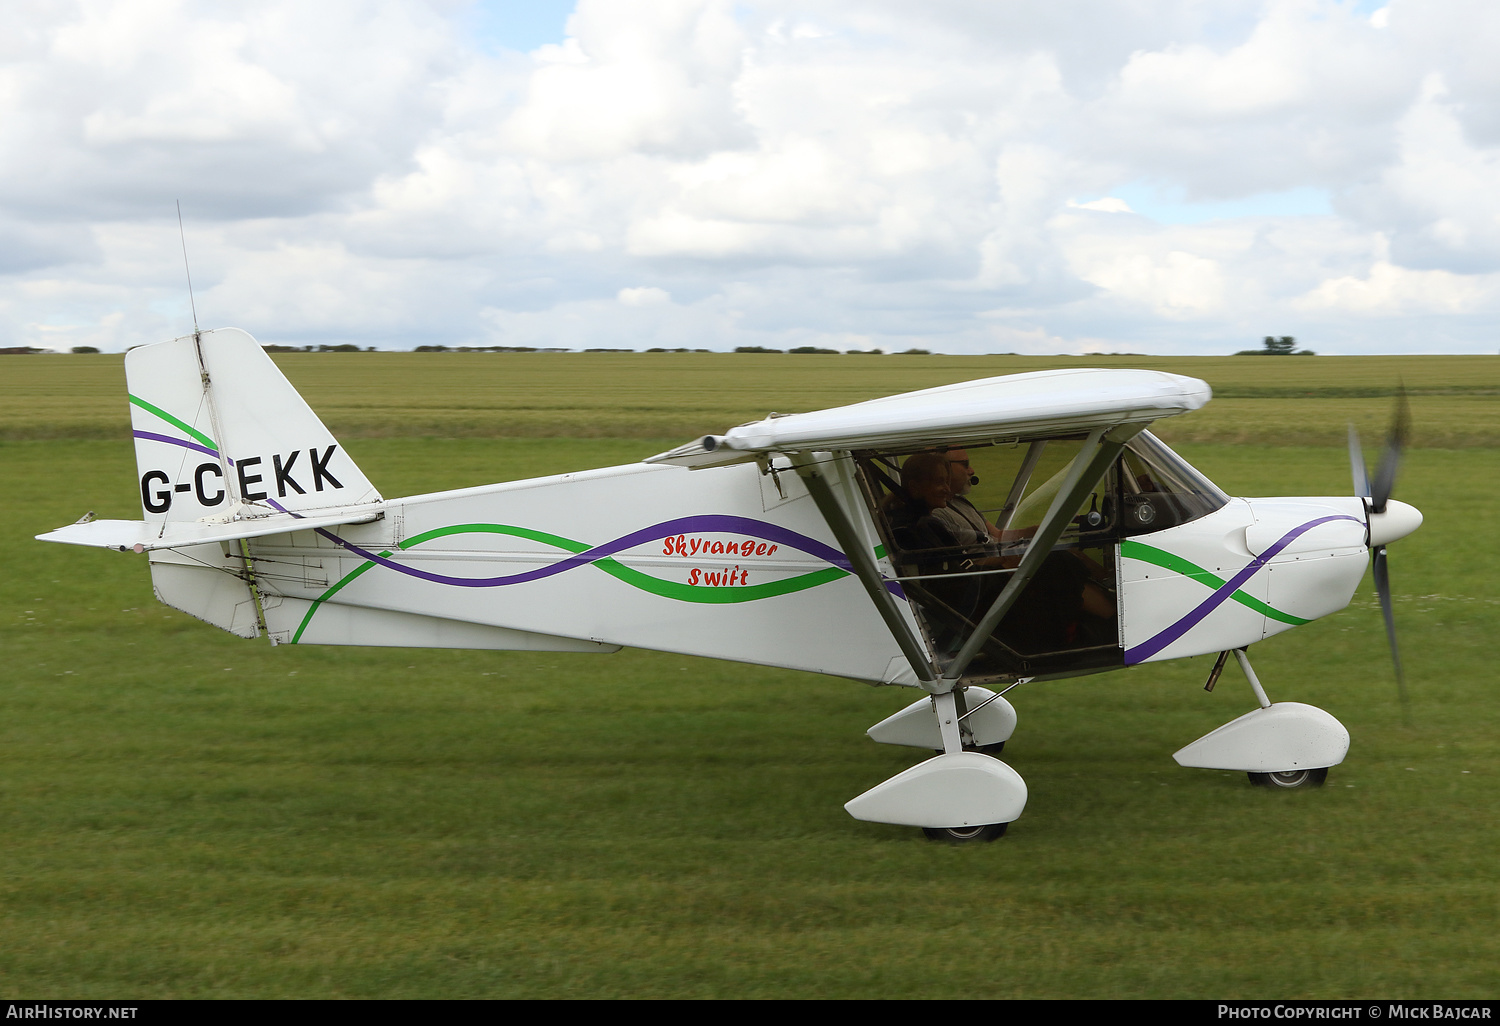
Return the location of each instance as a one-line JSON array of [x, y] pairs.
[[1016, 406]]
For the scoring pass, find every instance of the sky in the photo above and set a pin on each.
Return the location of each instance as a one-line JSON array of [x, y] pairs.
[[1170, 177]]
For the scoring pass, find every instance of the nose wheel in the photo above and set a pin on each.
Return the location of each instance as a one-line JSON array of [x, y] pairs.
[[1290, 779]]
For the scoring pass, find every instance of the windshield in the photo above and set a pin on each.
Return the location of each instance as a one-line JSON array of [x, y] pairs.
[[1160, 489]]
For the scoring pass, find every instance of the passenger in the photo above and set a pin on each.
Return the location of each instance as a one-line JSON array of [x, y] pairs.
[[926, 546], [925, 490]]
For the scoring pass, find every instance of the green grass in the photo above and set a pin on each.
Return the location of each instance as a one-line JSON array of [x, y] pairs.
[[678, 396], [189, 815]]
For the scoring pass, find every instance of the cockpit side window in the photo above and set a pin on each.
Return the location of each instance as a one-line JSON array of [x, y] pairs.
[[956, 524]]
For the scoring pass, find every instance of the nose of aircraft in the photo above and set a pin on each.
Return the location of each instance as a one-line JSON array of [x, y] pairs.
[[1398, 521]]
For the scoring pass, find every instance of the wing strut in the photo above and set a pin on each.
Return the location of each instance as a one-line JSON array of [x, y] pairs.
[[863, 562], [1018, 486], [1093, 459]]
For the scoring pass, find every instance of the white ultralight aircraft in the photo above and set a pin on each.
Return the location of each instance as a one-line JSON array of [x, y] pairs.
[[831, 541]]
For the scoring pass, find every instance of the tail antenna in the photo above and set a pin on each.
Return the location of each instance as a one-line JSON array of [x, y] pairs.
[[183, 235]]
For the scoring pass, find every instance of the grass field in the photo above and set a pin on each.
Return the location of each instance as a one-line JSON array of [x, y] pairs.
[[190, 815], [676, 396]]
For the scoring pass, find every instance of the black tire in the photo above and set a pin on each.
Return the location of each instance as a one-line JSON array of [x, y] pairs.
[[966, 835], [994, 749], [1290, 779]]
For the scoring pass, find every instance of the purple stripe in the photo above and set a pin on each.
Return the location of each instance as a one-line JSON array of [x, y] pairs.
[[711, 522], [1150, 647], [278, 506], [153, 436]]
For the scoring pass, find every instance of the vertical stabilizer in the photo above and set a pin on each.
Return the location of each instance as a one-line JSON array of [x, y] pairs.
[[220, 433]]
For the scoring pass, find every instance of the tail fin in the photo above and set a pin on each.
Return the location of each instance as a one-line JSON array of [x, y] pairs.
[[227, 450], [221, 434]]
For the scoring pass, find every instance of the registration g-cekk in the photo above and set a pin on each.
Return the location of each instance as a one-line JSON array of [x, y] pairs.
[[256, 477]]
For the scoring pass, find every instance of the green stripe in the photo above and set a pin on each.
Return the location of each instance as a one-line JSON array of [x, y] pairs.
[[164, 415], [351, 575], [708, 594], [1171, 561], [555, 540]]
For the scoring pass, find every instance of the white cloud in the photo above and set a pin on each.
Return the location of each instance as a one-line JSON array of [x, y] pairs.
[[1175, 284], [110, 108], [1108, 204], [1440, 199], [634, 76], [645, 295], [1388, 290]]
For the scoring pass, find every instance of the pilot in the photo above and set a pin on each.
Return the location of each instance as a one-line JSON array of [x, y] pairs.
[[1063, 606], [978, 536]]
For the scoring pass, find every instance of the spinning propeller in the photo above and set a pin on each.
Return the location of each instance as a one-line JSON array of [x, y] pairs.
[[1387, 519]]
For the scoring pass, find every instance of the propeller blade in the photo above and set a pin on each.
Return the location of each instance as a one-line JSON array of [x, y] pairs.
[[1383, 590], [1357, 465], [1390, 460]]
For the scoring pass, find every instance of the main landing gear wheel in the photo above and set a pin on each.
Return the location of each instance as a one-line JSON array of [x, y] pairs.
[[1291, 778], [994, 749], [966, 834]]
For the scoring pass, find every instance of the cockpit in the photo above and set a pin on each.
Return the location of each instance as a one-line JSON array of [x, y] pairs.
[[957, 522]]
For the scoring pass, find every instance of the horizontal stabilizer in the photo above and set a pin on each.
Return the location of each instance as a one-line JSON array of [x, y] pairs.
[[139, 536], [1015, 406]]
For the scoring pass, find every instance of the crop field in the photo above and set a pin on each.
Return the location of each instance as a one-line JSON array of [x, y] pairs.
[[186, 814], [672, 397]]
